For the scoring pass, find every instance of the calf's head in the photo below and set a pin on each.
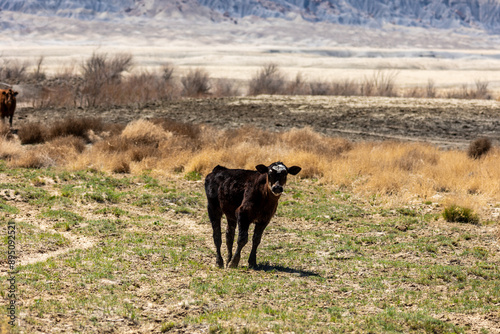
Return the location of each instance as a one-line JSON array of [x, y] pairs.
[[276, 175], [9, 96]]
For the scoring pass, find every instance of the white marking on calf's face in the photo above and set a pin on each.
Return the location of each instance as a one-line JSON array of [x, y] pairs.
[[279, 168]]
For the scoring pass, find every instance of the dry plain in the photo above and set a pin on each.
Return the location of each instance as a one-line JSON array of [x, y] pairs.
[[132, 252]]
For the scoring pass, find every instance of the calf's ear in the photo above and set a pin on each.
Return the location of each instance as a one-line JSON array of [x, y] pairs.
[[294, 170], [261, 169], [15, 93]]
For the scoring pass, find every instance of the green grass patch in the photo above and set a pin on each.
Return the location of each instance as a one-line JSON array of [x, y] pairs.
[[459, 214]]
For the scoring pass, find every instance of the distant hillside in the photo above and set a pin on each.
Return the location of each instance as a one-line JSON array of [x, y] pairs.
[[447, 14]]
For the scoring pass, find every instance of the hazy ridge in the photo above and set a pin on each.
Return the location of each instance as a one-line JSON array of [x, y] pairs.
[[476, 14]]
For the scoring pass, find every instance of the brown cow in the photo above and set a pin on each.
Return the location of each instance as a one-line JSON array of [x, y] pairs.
[[7, 104], [245, 197]]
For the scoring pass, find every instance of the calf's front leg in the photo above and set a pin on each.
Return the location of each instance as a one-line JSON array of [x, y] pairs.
[[257, 236], [243, 225]]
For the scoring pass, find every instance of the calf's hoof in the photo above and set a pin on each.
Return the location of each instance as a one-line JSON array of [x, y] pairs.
[[233, 264], [220, 263]]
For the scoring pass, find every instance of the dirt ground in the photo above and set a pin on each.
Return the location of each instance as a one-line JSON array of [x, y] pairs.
[[447, 123]]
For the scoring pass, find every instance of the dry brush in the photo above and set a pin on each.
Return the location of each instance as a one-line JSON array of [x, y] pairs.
[[393, 171]]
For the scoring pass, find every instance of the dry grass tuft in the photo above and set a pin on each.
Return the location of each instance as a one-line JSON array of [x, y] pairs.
[[417, 157], [478, 148], [9, 149], [78, 127], [4, 130], [32, 133], [33, 158], [119, 163], [76, 143], [138, 154], [143, 132], [307, 140]]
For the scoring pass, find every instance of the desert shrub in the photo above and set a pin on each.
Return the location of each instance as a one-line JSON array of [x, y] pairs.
[[481, 90], [140, 153], [33, 159], [141, 88], [459, 214], [246, 134], [381, 83], [268, 80], [478, 91], [298, 86], [414, 158], [9, 149], [119, 163], [144, 132], [430, 89], [111, 129], [167, 71], [196, 83], [99, 71], [4, 130], [319, 88], [225, 87], [188, 130], [346, 87], [13, 71], [38, 74], [32, 133], [113, 143], [308, 140], [78, 127], [478, 148], [76, 143], [61, 149]]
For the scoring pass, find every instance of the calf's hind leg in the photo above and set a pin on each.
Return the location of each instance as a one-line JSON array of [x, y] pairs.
[[231, 228], [215, 215]]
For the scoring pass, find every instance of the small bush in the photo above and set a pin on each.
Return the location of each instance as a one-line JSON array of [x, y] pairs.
[[346, 87], [196, 83], [225, 87], [298, 86], [459, 214], [144, 132], [478, 148], [32, 133], [4, 130], [13, 72], [33, 159], [76, 143], [320, 88], [99, 71], [140, 153], [415, 158], [9, 149], [381, 83], [119, 164], [78, 127], [269, 80], [178, 128]]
